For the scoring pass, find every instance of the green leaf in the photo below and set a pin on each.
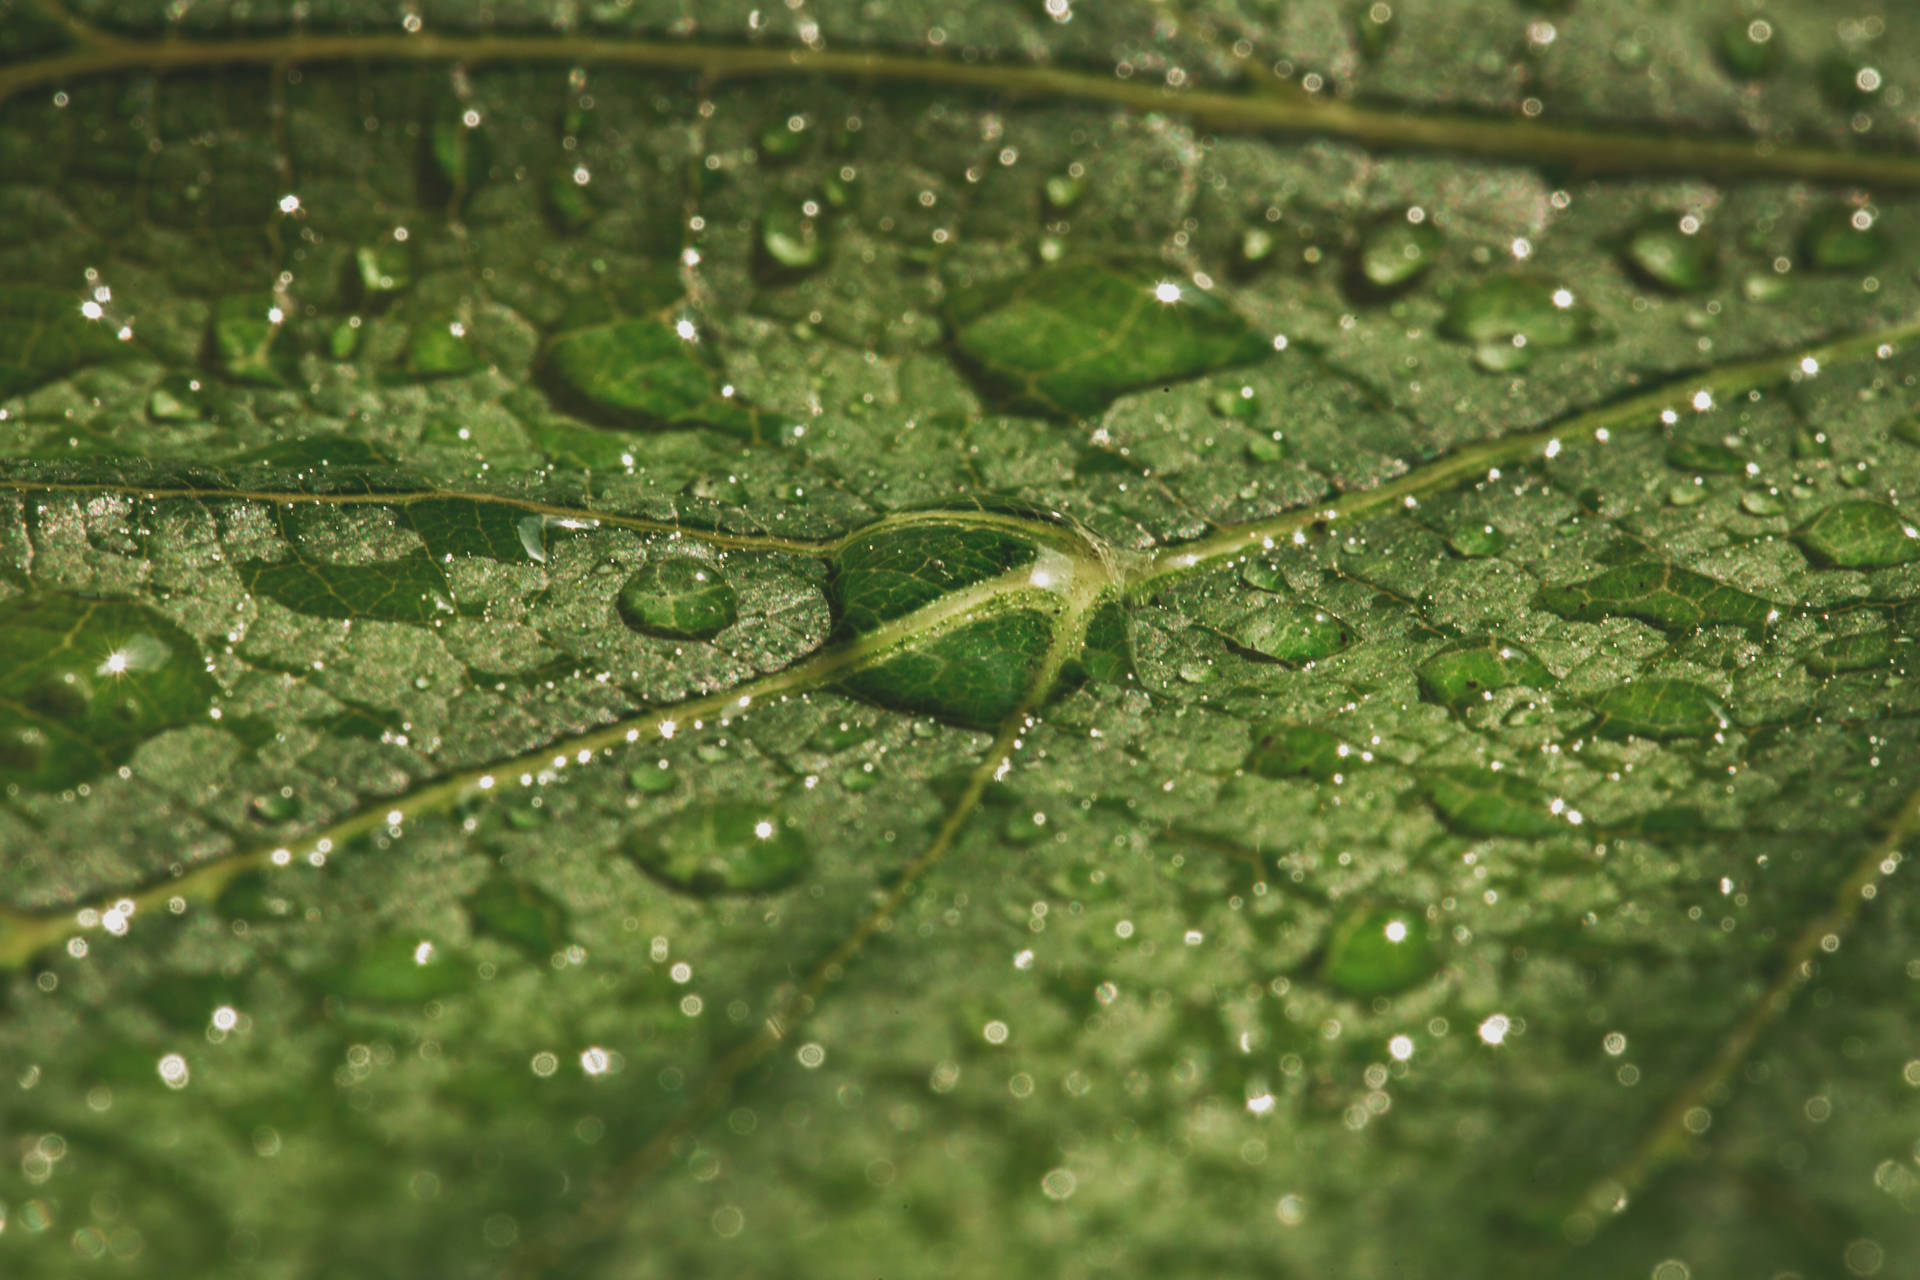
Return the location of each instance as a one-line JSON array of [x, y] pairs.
[[1238, 640]]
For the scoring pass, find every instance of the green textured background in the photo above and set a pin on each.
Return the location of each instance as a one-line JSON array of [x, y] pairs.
[[1302, 664]]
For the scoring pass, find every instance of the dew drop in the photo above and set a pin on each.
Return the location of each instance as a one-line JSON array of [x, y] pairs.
[[678, 598], [724, 847], [1377, 951]]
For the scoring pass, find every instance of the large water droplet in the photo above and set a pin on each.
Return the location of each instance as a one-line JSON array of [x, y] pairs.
[[1748, 47], [1492, 802], [384, 267], [1849, 81], [792, 239], [1464, 675], [402, 968], [1377, 951], [1395, 252], [1070, 337], [1853, 653], [1508, 317], [679, 598], [1288, 632], [1706, 456], [1843, 238], [724, 847], [1300, 751], [1674, 253], [1860, 535], [519, 913], [1659, 709], [1476, 540], [1663, 594]]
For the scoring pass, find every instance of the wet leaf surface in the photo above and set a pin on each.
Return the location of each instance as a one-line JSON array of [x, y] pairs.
[[639, 642]]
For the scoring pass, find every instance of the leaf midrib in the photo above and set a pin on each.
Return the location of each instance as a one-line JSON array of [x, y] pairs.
[[1413, 127]]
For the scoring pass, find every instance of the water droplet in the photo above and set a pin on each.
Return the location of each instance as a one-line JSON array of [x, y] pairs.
[[791, 239], [1848, 81], [1378, 951], [1860, 535], [839, 735], [652, 780], [384, 267], [1288, 632], [679, 598], [1853, 653], [437, 347], [1069, 337], [1706, 456], [1063, 192], [724, 847], [518, 913], [1487, 802], [1476, 540], [175, 399], [1283, 750], [246, 328], [1843, 238], [1660, 709], [1464, 675], [401, 968], [272, 806], [785, 138], [1675, 253], [1395, 252], [1266, 576], [1236, 403], [86, 682], [1509, 317], [1749, 48], [1663, 594], [1373, 28], [635, 368]]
